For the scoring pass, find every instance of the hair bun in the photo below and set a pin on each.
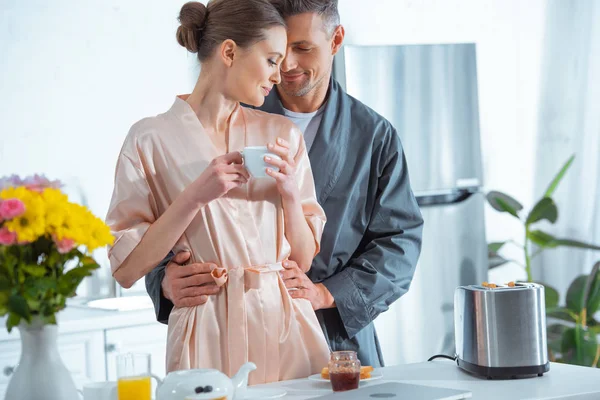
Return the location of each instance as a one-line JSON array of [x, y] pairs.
[[192, 18]]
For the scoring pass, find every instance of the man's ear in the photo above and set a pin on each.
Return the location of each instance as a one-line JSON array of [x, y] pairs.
[[227, 52], [338, 39]]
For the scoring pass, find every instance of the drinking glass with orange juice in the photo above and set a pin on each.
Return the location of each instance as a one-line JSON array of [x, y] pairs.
[[133, 373]]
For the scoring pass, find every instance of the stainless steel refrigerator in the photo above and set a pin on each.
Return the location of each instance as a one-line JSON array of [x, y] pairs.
[[429, 94]]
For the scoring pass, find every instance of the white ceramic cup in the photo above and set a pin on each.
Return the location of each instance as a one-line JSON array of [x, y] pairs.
[[100, 391], [254, 161]]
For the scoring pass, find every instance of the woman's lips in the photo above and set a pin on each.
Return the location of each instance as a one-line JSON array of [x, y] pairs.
[[266, 91]]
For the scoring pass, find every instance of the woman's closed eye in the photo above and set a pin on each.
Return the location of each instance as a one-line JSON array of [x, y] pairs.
[[272, 63]]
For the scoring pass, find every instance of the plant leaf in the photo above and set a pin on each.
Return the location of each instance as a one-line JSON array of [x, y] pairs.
[[574, 243], [494, 247], [561, 313], [12, 321], [554, 335], [50, 319], [576, 293], [591, 294], [504, 203], [544, 209], [588, 346], [554, 184], [34, 270], [496, 260], [551, 296], [4, 283], [18, 305], [68, 283], [542, 239]]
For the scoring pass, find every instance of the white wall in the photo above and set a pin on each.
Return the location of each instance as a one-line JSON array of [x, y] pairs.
[[74, 76], [509, 36]]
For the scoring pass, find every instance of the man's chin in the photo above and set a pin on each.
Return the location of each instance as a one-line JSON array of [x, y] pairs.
[[293, 89]]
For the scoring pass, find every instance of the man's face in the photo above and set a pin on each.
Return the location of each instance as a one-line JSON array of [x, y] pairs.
[[309, 55]]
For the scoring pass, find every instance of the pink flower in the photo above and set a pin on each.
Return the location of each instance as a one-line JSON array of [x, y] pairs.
[[65, 245], [10, 181], [11, 208], [38, 183], [7, 237]]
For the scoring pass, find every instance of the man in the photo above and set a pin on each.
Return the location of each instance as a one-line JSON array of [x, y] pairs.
[[372, 239]]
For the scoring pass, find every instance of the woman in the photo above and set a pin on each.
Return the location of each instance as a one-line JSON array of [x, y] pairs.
[[180, 184]]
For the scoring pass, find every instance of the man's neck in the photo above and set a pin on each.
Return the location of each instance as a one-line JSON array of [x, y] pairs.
[[308, 103]]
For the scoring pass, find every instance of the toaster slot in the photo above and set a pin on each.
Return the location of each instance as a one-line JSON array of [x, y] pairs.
[[508, 286]]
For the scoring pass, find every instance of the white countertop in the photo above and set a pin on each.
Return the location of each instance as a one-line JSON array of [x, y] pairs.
[[78, 318], [561, 382]]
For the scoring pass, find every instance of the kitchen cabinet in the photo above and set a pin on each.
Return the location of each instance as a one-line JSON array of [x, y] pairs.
[[151, 339], [82, 354], [89, 341]]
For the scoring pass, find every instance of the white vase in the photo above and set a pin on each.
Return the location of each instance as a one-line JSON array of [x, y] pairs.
[[41, 374]]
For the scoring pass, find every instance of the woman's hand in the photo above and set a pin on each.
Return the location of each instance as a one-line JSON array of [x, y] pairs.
[[224, 173], [286, 177]]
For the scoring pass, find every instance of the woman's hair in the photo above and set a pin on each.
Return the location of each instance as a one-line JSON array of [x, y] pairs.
[[203, 28]]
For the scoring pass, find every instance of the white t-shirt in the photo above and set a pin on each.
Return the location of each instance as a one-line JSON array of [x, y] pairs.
[[308, 123]]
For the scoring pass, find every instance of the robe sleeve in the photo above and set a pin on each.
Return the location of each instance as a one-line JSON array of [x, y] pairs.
[[313, 212], [132, 208], [382, 268]]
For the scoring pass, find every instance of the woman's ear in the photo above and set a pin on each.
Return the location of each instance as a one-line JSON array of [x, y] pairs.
[[228, 52]]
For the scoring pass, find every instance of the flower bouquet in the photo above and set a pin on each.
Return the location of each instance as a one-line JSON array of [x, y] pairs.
[[45, 248], [45, 252]]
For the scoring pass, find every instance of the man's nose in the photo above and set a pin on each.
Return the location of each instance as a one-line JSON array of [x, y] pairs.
[[289, 62]]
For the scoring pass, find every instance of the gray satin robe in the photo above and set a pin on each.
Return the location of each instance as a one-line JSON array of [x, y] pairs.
[[372, 239]]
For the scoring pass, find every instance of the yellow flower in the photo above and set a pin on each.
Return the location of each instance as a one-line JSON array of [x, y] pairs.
[[56, 211], [50, 214], [30, 225]]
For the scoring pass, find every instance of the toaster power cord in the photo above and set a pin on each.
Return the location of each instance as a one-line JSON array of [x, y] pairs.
[[442, 356]]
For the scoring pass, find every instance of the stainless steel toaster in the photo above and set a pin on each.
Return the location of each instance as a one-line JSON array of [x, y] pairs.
[[500, 332]]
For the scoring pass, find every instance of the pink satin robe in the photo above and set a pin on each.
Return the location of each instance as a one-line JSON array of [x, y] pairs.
[[253, 318]]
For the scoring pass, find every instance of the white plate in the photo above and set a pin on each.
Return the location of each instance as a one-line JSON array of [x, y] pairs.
[[266, 393], [374, 375]]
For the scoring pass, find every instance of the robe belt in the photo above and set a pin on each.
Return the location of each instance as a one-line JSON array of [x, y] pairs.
[[237, 336]]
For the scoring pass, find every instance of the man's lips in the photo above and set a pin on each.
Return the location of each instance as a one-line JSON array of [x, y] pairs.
[[292, 77]]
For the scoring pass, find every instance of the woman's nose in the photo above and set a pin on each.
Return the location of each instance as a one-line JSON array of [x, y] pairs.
[[276, 77]]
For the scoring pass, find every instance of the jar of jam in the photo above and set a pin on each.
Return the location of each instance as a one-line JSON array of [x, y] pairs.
[[344, 370]]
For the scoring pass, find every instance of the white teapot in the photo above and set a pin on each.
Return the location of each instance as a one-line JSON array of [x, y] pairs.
[[204, 384]]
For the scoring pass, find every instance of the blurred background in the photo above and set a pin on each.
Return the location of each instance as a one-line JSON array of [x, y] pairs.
[[74, 76]]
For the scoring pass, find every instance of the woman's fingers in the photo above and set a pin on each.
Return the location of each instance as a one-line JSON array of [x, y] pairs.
[[235, 157], [236, 170], [281, 151], [283, 143], [279, 177], [282, 165]]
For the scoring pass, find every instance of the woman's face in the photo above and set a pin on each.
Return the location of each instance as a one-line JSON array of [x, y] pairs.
[[256, 69]]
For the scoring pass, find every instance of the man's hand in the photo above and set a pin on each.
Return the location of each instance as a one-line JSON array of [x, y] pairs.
[[301, 287], [188, 285]]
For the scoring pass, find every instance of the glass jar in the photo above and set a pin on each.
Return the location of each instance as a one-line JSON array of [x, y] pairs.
[[344, 370]]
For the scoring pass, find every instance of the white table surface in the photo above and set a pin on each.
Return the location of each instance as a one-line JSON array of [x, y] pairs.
[[561, 382]]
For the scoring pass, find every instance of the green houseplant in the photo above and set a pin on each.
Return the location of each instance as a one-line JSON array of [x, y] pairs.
[[572, 337]]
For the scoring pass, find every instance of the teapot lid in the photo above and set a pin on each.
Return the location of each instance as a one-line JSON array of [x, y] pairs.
[[195, 372]]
